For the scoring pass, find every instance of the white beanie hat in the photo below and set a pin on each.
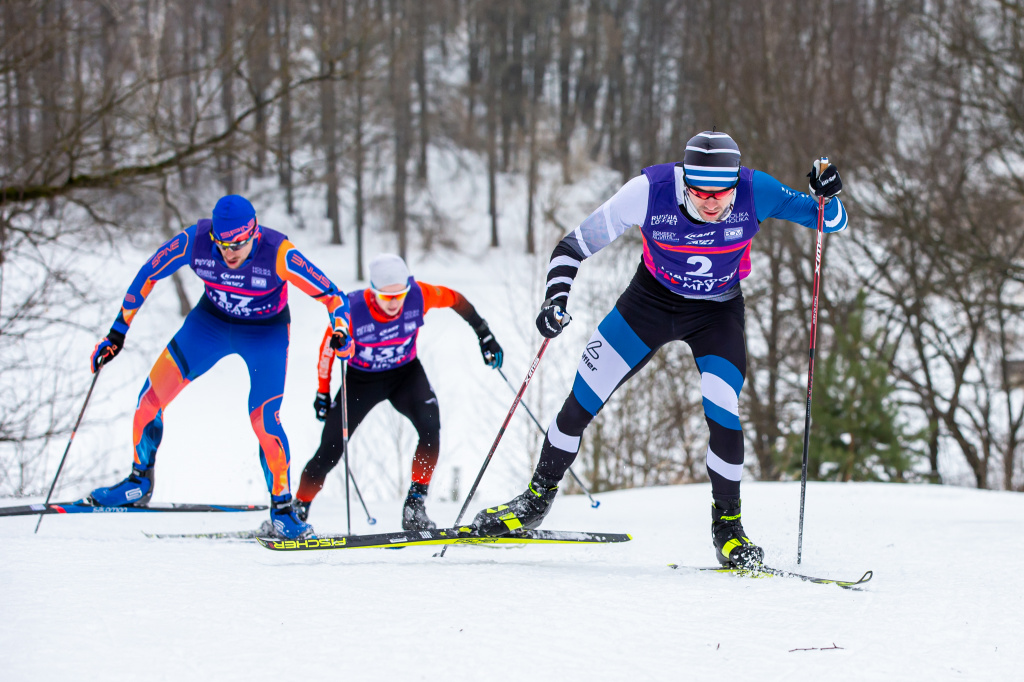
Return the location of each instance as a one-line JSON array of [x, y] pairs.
[[387, 268]]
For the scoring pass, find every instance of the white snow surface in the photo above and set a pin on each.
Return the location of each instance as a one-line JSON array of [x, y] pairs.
[[90, 597]]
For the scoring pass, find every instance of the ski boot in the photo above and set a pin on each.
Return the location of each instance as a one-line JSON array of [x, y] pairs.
[[133, 491], [301, 508], [414, 513], [732, 547], [524, 511], [284, 522]]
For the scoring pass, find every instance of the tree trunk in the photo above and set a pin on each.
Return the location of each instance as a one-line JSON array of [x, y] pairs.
[[402, 133], [329, 116], [259, 68], [285, 142], [358, 132], [227, 80], [421, 89]]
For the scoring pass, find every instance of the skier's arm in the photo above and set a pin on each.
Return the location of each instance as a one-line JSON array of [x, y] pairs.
[[772, 199], [168, 259], [435, 296], [626, 209], [296, 269]]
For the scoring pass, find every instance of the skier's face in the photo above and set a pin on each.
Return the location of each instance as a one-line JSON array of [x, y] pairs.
[[710, 201], [234, 259], [391, 298]]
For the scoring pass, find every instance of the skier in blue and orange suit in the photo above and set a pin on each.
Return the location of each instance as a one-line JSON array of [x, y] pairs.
[[245, 268], [386, 319]]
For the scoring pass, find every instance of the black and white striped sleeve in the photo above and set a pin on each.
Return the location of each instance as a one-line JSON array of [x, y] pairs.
[[626, 209], [562, 269]]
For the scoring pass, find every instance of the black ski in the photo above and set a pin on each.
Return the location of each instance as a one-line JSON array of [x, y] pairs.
[[83, 507], [769, 572], [441, 536]]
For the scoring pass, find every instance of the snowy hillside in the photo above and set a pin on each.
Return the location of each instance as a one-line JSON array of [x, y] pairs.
[[91, 598]]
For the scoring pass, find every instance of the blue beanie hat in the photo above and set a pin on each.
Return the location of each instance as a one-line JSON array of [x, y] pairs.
[[711, 159], [234, 219]]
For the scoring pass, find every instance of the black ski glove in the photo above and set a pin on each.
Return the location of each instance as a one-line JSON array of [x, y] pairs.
[[489, 348], [107, 349], [825, 183], [552, 319], [322, 405]]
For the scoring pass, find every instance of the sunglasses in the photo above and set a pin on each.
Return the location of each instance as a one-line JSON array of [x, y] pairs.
[[230, 246], [388, 296], [700, 194]]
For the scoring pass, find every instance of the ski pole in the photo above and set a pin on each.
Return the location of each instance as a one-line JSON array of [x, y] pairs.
[[822, 165], [369, 519], [593, 503], [501, 431], [81, 414], [343, 399]]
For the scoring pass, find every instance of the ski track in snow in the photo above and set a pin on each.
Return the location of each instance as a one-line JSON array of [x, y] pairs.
[[90, 597]]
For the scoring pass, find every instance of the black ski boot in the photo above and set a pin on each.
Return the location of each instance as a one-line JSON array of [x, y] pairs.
[[414, 513], [732, 547], [301, 509], [524, 511]]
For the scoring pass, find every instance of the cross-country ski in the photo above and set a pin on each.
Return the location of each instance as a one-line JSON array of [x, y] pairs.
[[454, 536], [763, 571], [85, 507]]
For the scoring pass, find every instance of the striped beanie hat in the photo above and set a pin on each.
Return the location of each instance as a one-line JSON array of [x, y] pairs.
[[711, 160]]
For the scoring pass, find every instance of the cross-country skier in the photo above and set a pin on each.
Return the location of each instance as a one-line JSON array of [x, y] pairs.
[[386, 319], [245, 268], [697, 220]]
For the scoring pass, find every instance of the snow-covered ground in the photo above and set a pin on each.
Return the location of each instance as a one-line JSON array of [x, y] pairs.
[[91, 598]]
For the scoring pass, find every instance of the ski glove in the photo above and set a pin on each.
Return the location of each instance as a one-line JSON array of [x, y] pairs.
[[322, 405], [489, 348], [825, 183], [107, 349], [341, 340], [552, 319]]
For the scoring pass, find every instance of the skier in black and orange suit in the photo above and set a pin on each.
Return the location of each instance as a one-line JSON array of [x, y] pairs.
[[386, 318]]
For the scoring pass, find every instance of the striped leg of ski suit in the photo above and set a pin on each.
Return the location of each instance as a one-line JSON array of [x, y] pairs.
[[646, 317]]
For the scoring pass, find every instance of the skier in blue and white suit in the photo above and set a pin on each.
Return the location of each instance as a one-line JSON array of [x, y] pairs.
[[697, 220]]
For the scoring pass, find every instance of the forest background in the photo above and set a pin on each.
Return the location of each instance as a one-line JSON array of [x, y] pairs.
[[125, 119]]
